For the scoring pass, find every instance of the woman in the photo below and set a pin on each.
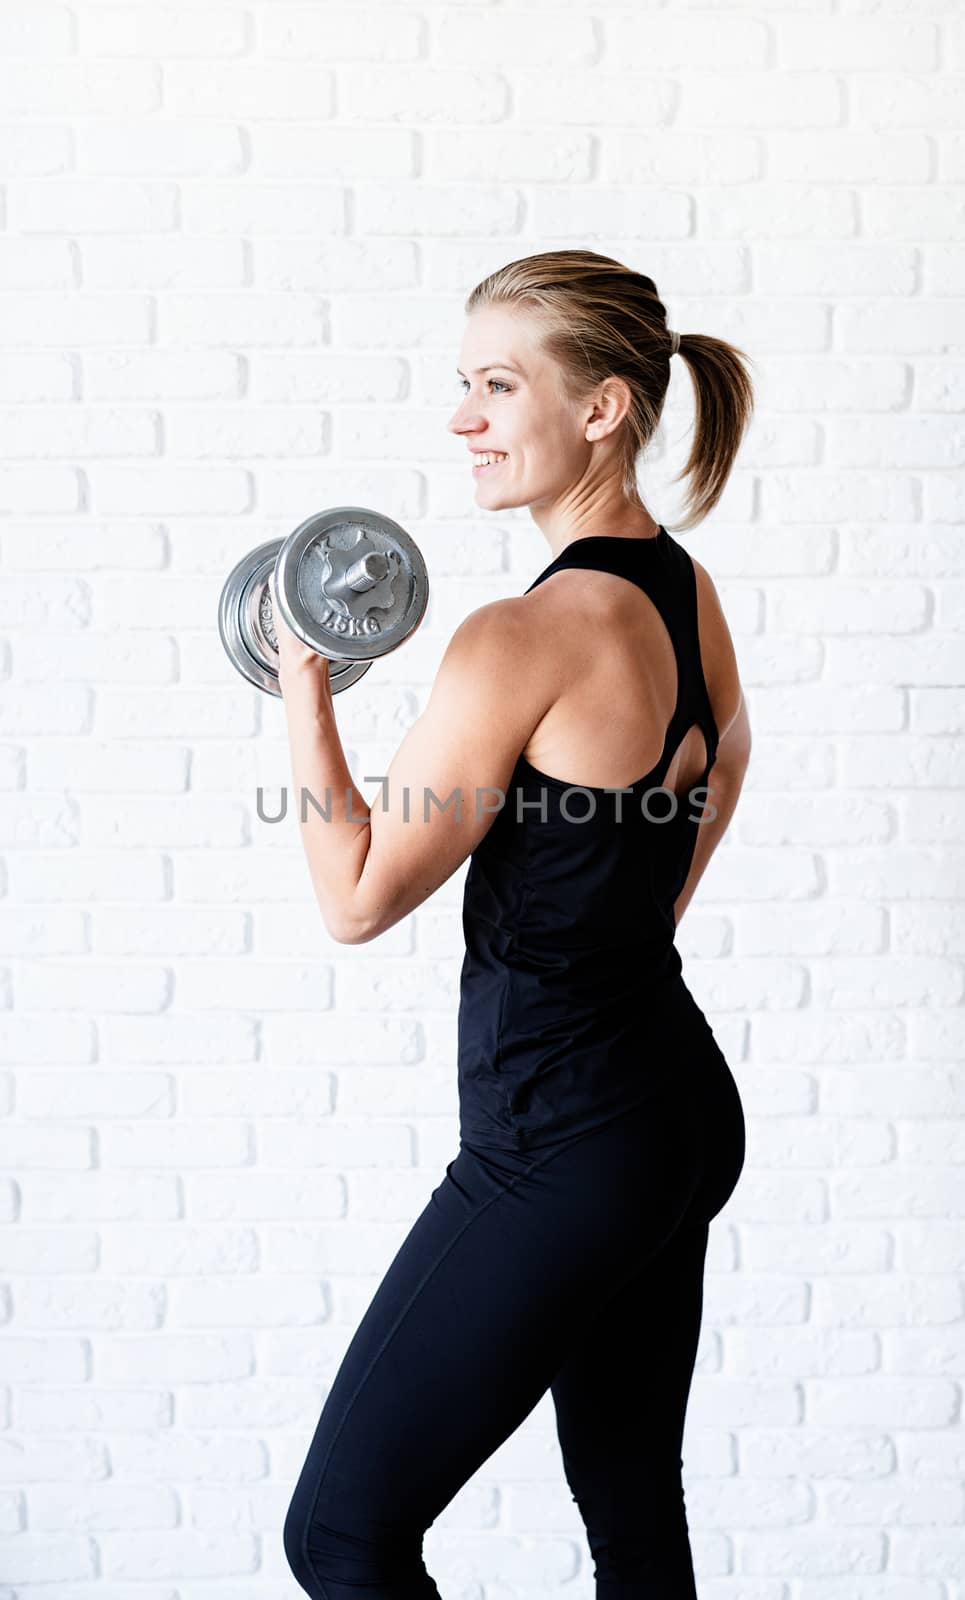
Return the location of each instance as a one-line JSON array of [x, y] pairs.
[[600, 1127]]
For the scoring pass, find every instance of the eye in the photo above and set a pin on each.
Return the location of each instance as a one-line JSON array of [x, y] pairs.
[[463, 382]]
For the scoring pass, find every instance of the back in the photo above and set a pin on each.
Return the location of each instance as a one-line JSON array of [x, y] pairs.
[[572, 1004]]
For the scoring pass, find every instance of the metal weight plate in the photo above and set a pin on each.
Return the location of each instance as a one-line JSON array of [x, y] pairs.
[[247, 628], [351, 583]]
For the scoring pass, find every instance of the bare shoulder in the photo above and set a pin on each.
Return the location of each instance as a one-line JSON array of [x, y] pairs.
[[717, 654], [563, 620], [494, 659], [495, 634]]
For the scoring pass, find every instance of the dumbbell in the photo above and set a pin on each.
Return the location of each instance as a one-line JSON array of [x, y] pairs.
[[349, 582]]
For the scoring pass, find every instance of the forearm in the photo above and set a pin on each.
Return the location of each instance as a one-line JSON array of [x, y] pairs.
[[724, 783], [333, 816]]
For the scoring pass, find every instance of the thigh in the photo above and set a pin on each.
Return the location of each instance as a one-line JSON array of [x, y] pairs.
[[621, 1400], [450, 1356], [476, 1315]]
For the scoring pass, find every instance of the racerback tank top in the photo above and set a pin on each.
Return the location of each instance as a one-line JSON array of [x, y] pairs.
[[572, 1004]]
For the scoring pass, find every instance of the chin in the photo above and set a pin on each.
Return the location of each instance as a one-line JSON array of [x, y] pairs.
[[496, 501]]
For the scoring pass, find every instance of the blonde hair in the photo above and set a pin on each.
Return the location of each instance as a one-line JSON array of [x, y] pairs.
[[600, 319]]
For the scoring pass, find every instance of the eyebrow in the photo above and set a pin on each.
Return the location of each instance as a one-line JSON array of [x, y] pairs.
[[506, 366]]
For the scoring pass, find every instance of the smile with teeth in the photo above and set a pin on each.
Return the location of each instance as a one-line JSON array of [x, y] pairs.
[[488, 458]]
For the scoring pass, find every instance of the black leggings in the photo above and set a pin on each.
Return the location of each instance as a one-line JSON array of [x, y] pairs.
[[577, 1268]]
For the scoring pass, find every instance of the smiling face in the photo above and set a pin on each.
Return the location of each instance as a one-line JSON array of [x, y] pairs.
[[514, 408], [556, 456]]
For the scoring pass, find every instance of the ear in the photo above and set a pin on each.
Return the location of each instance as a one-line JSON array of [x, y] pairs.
[[610, 406]]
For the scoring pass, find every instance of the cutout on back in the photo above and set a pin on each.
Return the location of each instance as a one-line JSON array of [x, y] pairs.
[[688, 763]]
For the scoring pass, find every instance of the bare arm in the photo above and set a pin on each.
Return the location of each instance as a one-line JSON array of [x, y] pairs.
[[372, 866], [725, 781], [726, 777]]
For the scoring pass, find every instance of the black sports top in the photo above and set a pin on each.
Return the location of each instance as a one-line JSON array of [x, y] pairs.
[[572, 1005]]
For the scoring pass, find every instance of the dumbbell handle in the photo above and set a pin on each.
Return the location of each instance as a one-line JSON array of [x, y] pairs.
[[367, 572]]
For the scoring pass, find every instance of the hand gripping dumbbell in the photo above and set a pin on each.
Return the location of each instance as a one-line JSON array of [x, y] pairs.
[[349, 582]]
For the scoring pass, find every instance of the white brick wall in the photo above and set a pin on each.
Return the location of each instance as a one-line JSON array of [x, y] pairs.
[[235, 239]]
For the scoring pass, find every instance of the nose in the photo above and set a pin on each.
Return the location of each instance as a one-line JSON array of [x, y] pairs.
[[462, 419]]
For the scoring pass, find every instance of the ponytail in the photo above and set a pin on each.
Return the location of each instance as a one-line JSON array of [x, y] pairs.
[[724, 401]]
